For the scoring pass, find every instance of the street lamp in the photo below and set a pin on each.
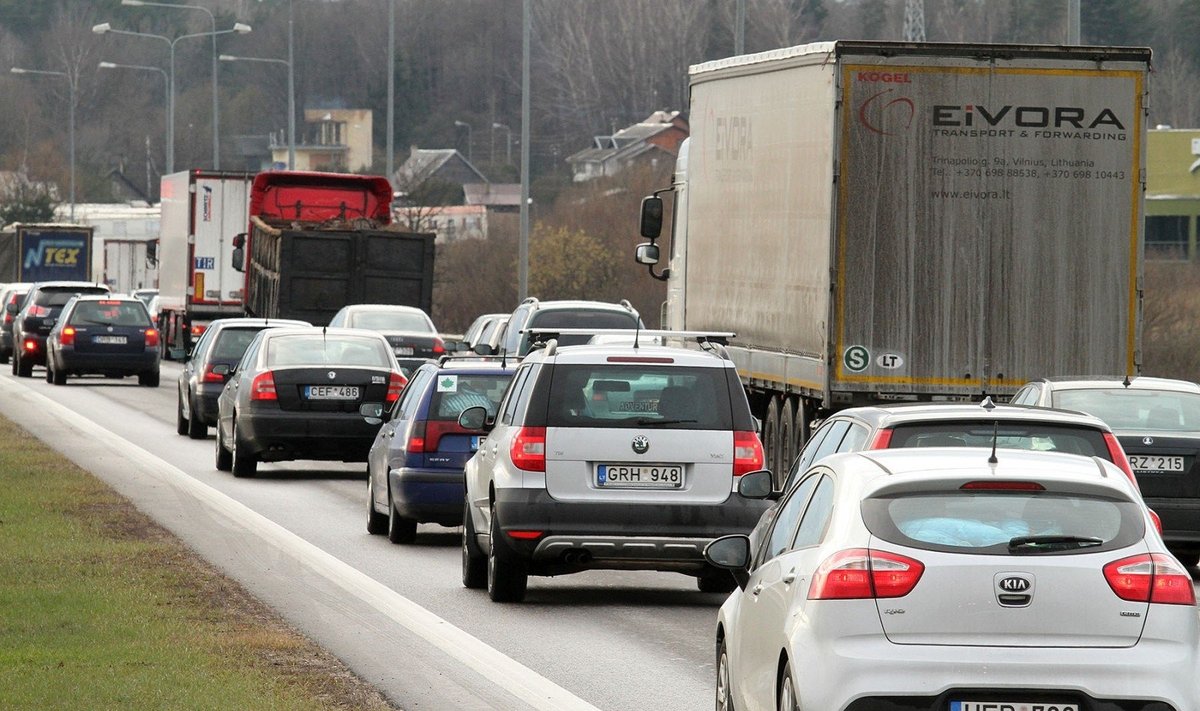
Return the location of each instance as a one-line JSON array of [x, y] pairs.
[[507, 143], [166, 88], [106, 28], [291, 100], [468, 127], [215, 112], [70, 119]]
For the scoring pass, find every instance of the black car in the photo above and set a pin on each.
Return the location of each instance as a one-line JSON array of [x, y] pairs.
[[222, 344], [103, 335], [11, 294], [298, 393], [37, 315], [1157, 422]]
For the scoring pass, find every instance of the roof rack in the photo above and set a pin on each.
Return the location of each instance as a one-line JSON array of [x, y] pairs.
[[545, 334], [458, 357]]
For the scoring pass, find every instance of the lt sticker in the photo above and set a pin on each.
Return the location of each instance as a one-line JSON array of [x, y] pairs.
[[447, 384], [889, 361], [856, 359]]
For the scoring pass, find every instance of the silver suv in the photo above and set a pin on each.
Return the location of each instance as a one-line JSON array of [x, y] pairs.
[[582, 317], [609, 456]]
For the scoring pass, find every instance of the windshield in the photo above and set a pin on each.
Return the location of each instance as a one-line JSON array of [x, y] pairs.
[[392, 321], [1127, 409], [331, 350]]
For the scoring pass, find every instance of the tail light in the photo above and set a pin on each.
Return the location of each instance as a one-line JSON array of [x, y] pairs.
[[524, 535], [439, 346], [528, 450], [859, 574], [39, 311], [1150, 577], [1154, 519], [396, 383], [198, 329], [29, 345], [416, 438], [883, 439], [67, 337], [210, 376], [747, 453], [1117, 454], [152, 338], [263, 387]]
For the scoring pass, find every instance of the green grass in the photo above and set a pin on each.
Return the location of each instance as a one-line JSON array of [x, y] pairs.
[[102, 609]]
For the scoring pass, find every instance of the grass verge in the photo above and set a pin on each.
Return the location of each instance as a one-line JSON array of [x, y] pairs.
[[102, 608]]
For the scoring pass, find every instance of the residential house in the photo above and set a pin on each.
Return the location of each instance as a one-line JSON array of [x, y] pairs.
[[653, 140]]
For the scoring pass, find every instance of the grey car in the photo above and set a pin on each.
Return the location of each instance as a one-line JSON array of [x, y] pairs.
[[951, 580]]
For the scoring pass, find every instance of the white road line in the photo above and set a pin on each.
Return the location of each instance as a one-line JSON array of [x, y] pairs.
[[503, 671]]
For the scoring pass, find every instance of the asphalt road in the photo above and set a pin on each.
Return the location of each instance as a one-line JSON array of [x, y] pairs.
[[295, 536]]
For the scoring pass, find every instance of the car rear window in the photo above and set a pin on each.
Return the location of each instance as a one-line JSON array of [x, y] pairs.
[[581, 318], [1004, 522], [327, 350], [639, 395], [232, 343], [59, 296], [1036, 436], [391, 321], [453, 393], [110, 313], [1124, 409]]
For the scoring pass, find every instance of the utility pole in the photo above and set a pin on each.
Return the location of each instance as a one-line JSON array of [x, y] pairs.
[[523, 244]]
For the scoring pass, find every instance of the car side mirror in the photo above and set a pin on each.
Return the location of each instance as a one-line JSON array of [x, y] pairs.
[[483, 349], [476, 419], [757, 485], [647, 253], [731, 553]]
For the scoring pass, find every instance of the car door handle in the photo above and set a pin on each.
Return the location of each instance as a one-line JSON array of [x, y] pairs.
[[790, 577]]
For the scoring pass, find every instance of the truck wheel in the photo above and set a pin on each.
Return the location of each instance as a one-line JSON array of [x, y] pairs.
[[787, 442], [803, 417], [771, 437]]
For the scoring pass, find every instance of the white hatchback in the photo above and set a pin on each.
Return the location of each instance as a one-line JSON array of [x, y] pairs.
[[937, 579]]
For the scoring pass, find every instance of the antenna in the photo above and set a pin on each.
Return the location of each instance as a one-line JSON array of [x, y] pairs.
[[987, 403], [1127, 382], [637, 333], [995, 435]]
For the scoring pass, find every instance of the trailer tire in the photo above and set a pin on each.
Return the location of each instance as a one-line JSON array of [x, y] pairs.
[[803, 417], [771, 437], [787, 442]]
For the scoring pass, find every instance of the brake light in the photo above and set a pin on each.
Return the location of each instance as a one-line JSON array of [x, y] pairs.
[[524, 535], [883, 438], [986, 485], [1151, 577], [439, 346], [416, 439], [152, 338], [528, 450], [29, 345], [859, 574], [1117, 453], [747, 453], [396, 383], [67, 337], [39, 311], [210, 376], [263, 387], [198, 329]]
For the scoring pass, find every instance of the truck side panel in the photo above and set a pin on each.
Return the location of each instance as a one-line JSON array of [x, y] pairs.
[[220, 210], [988, 223], [53, 252]]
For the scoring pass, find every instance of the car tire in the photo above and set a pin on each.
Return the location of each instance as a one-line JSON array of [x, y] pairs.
[[716, 581], [474, 561], [724, 692], [24, 369], [377, 523], [181, 423], [399, 529], [49, 372], [224, 456], [787, 690], [57, 377], [149, 378], [244, 463], [194, 427], [507, 578], [16, 357]]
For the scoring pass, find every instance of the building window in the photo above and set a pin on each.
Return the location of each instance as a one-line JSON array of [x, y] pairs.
[[1167, 237]]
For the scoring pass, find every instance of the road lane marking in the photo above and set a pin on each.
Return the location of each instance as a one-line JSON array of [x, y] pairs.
[[498, 668]]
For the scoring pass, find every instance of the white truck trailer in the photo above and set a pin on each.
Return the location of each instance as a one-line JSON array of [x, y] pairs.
[[886, 221], [202, 211]]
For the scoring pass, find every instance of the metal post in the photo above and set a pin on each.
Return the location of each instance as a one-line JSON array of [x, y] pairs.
[[171, 114], [523, 247], [391, 80], [291, 89], [216, 119], [71, 130], [739, 28]]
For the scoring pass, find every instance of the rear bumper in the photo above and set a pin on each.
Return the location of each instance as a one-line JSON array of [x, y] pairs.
[[71, 361], [331, 436], [651, 536], [428, 495]]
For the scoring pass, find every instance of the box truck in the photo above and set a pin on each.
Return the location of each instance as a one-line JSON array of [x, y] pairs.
[[893, 221]]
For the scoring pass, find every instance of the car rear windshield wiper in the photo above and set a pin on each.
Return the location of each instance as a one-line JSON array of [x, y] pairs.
[[1042, 544], [645, 421]]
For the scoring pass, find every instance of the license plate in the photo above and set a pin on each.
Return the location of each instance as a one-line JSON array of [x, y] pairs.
[[475, 440], [640, 476], [404, 350], [1155, 463], [331, 392], [118, 340], [1010, 706]]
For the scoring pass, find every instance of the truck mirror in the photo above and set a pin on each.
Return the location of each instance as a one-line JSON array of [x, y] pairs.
[[652, 216], [239, 240], [239, 259], [647, 253]]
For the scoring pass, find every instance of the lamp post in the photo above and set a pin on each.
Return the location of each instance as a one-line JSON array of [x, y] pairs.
[[166, 87], [468, 127], [215, 112], [70, 119], [507, 142], [106, 28], [291, 100]]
